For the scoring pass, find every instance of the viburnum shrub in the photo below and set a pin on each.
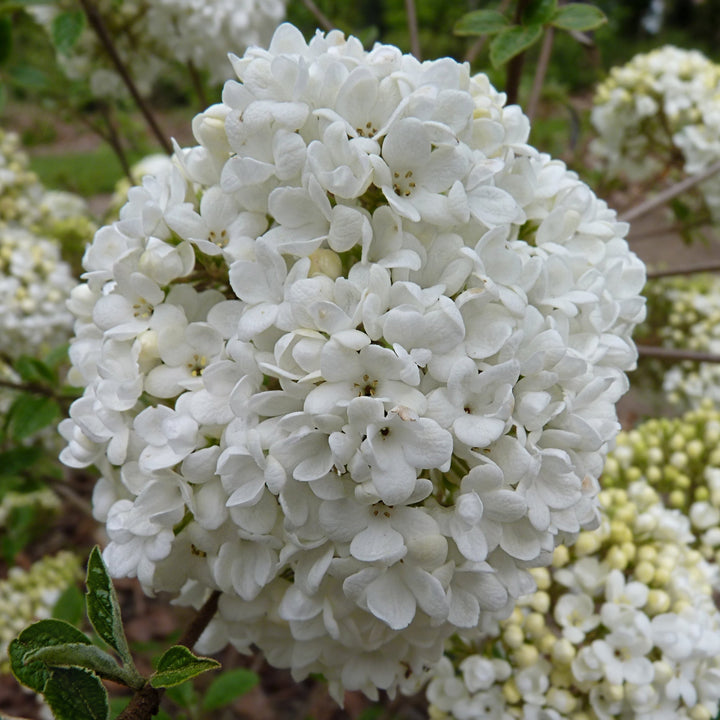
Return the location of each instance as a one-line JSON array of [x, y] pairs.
[[352, 361]]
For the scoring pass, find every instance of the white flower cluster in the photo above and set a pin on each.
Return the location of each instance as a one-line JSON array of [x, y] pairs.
[[35, 284], [660, 104], [155, 164], [355, 364], [30, 595], [149, 34], [623, 626], [684, 313], [680, 458], [20, 190]]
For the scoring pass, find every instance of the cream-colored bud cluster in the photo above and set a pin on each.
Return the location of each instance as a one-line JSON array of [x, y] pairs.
[[20, 189], [593, 640], [44, 501], [30, 595], [680, 459], [684, 313], [642, 107]]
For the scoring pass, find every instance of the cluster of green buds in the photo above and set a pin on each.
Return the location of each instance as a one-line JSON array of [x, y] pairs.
[[29, 595], [683, 313], [603, 634], [680, 458]]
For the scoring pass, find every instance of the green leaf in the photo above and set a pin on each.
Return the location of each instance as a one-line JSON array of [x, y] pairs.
[[32, 370], [5, 38], [481, 22], [228, 686], [183, 695], [30, 413], [28, 77], [179, 664], [16, 460], [578, 16], [66, 30], [40, 635], [70, 606], [76, 694], [102, 606], [19, 528], [89, 657], [512, 42], [539, 11]]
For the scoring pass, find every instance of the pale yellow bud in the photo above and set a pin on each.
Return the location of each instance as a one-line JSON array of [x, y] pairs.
[[526, 655], [325, 262], [658, 602], [513, 636], [615, 692], [616, 558], [535, 624], [540, 601], [700, 712], [563, 651], [511, 693], [644, 571], [561, 556]]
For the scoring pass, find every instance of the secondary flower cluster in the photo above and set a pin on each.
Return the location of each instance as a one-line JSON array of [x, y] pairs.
[[684, 313], [680, 458], [20, 190], [150, 34], [30, 595], [661, 105], [355, 363], [622, 626]]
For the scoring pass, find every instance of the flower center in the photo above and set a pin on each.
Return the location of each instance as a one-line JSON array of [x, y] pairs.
[[403, 185]]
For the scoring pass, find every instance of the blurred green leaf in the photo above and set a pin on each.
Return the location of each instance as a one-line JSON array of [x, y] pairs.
[[76, 694], [30, 413], [18, 531], [183, 694], [31, 370], [539, 12], [512, 42], [481, 22], [16, 460], [102, 606], [66, 30], [40, 635], [228, 686], [179, 664], [578, 16], [70, 606], [27, 76]]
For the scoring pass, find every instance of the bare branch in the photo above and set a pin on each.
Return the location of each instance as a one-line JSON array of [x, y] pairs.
[[515, 66], [412, 23], [665, 196], [684, 270], [98, 25], [676, 355], [324, 22], [540, 72]]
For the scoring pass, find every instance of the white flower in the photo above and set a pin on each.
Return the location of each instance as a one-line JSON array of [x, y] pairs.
[[346, 345]]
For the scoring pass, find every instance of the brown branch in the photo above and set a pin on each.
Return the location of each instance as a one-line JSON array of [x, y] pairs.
[[113, 139], [146, 702], [38, 389], [684, 270], [540, 72], [413, 32], [98, 25], [515, 66], [676, 355], [324, 22], [669, 193]]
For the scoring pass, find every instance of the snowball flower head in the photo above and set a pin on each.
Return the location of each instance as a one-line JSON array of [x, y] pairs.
[[35, 284], [353, 362]]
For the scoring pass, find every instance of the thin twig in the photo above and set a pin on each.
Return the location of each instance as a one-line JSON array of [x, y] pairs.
[[197, 84], [146, 702], [540, 72], [101, 31], [413, 32], [113, 139], [38, 389], [676, 355], [684, 270], [72, 497], [325, 23], [515, 66], [669, 193]]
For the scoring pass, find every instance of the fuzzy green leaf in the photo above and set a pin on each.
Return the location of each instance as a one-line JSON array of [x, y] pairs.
[[5, 38], [228, 686], [76, 694], [66, 30], [512, 42], [578, 16], [481, 22], [102, 606], [179, 664], [88, 657], [30, 413], [539, 12], [45, 633]]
